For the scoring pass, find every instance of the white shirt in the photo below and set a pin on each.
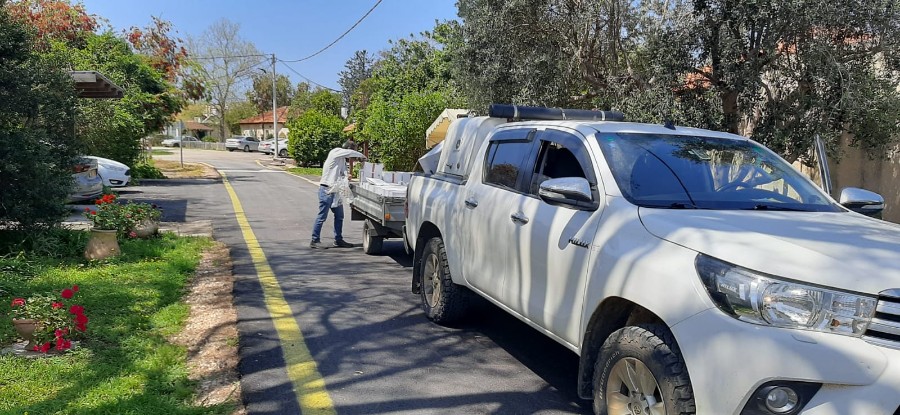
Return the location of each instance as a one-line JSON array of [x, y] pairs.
[[335, 166]]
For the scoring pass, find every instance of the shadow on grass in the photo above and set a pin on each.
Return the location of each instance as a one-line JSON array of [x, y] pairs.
[[124, 364]]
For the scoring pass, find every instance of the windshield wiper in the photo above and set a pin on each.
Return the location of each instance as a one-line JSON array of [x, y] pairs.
[[676, 205], [775, 207]]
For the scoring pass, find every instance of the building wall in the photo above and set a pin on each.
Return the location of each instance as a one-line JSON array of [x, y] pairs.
[[855, 169]]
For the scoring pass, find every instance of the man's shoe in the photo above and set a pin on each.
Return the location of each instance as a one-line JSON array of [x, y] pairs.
[[342, 244], [316, 245]]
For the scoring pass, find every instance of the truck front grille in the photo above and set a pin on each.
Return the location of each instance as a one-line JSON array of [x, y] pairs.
[[884, 330]]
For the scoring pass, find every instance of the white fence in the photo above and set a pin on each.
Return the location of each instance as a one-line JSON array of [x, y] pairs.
[[204, 145]]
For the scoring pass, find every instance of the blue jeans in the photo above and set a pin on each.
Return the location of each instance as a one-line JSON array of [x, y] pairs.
[[325, 201]]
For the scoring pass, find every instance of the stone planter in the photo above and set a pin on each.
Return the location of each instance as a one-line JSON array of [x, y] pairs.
[[103, 244], [26, 328], [146, 229]]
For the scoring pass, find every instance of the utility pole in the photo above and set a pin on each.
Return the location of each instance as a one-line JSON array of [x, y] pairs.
[[274, 110]]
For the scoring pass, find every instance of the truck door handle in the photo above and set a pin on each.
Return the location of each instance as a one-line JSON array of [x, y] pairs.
[[518, 218], [471, 203]]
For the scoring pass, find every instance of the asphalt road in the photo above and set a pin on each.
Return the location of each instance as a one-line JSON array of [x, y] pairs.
[[375, 349]]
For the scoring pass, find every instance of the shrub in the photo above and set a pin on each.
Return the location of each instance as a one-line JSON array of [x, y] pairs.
[[313, 135], [146, 171]]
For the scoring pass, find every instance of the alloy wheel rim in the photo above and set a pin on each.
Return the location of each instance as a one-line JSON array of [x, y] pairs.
[[633, 390], [431, 286]]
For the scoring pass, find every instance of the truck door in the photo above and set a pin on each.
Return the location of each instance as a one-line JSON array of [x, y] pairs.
[[553, 247], [490, 192]]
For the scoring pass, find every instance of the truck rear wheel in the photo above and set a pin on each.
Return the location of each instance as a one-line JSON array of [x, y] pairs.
[[641, 371], [372, 244], [443, 301]]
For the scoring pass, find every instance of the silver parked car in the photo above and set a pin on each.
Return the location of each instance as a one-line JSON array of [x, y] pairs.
[[174, 142], [88, 184], [268, 147], [242, 143]]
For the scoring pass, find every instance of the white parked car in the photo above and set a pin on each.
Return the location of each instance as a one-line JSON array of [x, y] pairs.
[[87, 183], [692, 271], [242, 143], [174, 142], [113, 173], [268, 147]]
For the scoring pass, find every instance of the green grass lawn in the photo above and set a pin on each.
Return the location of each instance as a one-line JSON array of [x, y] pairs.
[[306, 171], [160, 152], [124, 364]]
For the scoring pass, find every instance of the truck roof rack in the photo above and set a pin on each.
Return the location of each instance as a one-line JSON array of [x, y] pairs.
[[518, 112]]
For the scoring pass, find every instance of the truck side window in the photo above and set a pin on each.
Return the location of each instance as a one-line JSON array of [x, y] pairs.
[[504, 168], [554, 161]]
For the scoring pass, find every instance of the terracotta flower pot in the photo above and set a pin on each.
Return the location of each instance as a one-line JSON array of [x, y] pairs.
[[146, 228], [102, 244], [25, 328]]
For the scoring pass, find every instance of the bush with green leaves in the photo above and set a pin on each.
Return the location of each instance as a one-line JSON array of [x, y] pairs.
[[37, 143], [146, 171], [313, 135]]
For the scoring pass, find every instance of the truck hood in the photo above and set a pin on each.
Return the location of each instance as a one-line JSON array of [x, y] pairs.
[[841, 250]]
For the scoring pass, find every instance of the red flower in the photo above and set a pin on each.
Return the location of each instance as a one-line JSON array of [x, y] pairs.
[[75, 288], [17, 302], [80, 327], [132, 234], [57, 306], [43, 349], [93, 212], [87, 209], [67, 293], [63, 344], [81, 319], [59, 333], [76, 309]]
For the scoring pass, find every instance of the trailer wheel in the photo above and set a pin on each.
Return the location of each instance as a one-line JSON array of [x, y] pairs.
[[372, 244], [443, 301]]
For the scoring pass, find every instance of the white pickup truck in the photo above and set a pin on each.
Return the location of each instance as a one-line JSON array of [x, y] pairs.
[[692, 271]]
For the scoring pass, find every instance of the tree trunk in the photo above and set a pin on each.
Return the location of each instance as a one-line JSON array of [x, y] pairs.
[[731, 115]]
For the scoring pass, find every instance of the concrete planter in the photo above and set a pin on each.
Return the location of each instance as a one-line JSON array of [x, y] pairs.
[[103, 244]]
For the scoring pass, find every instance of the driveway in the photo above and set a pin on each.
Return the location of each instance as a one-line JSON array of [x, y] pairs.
[[364, 331]]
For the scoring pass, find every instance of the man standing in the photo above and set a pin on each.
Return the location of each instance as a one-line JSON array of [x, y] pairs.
[[334, 169]]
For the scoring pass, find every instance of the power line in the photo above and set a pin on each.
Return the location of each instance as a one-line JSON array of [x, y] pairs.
[[339, 37], [231, 56], [304, 77]]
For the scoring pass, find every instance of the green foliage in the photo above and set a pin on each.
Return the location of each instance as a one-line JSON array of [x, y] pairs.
[[308, 171], [326, 102], [313, 135], [359, 68], [37, 145], [125, 364], [113, 128], [302, 100], [397, 132], [147, 171], [260, 93], [238, 111]]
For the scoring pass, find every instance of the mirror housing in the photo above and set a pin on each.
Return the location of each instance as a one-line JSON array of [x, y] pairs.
[[568, 191], [862, 201]]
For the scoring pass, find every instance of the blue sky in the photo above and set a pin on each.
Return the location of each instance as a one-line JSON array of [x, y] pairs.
[[290, 29]]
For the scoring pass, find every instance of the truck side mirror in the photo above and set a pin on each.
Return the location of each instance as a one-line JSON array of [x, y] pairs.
[[862, 201], [569, 191]]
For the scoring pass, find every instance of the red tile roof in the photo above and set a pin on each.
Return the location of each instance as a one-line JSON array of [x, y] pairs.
[[266, 117]]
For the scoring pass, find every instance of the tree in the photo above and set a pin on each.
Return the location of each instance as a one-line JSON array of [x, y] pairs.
[[302, 100], [313, 135], [54, 20], [260, 94], [226, 63], [409, 88], [359, 68], [158, 42], [238, 111], [326, 101], [37, 143]]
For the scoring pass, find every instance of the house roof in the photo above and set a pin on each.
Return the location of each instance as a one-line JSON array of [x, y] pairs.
[[196, 126], [266, 117]]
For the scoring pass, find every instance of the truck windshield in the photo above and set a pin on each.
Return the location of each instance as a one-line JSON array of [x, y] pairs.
[[692, 172]]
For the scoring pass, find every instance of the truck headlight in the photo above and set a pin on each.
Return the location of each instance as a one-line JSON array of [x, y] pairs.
[[762, 299]]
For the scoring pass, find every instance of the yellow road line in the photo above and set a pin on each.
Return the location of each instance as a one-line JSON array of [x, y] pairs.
[[301, 367]]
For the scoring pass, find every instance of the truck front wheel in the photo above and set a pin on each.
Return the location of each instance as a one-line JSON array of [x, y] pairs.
[[640, 370], [443, 301]]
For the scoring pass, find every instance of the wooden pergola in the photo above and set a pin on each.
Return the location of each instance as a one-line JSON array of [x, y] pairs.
[[92, 84]]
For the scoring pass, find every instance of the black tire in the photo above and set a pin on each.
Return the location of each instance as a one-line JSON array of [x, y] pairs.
[[654, 347], [230, 150], [372, 244], [451, 302], [246, 149], [175, 145], [282, 153]]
